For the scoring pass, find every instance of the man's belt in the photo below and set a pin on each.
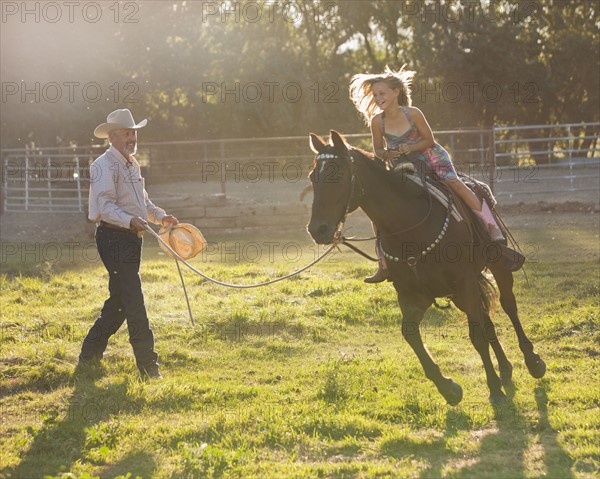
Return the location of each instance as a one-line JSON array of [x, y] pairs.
[[115, 227]]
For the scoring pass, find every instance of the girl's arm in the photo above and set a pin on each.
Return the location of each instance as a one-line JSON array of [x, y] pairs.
[[377, 138], [425, 132]]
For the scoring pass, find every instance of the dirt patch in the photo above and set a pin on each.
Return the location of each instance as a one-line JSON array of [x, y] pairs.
[[44, 227]]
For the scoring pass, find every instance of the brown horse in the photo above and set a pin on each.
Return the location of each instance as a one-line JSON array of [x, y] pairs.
[[429, 254]]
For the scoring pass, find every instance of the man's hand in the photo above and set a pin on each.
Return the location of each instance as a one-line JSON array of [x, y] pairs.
[[138, 224], [169, 220]]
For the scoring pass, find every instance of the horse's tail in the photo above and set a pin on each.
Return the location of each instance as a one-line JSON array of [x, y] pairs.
[[487, 293]]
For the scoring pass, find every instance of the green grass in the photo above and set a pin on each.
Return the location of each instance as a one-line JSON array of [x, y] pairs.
[[304, 378]]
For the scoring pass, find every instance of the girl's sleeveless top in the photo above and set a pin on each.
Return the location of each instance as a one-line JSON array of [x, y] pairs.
[[436, 156]]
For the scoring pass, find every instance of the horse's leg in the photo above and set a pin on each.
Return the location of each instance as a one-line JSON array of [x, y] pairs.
[[504, 364], [504, 279], [469, 301], [412, 315]]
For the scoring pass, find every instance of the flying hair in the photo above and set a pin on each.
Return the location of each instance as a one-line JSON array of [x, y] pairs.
[[361, 89]]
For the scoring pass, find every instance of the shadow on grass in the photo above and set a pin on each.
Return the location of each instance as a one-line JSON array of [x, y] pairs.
[[504, 451], [137, 463], [90, 422], [501, 451], [44, 378], [558, 462], [434, 450]]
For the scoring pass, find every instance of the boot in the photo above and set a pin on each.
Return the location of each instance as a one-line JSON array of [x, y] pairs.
[[382, 272], [489, 222], [380, 275], [511, 259]]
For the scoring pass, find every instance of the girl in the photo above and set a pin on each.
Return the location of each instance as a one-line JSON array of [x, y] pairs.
[[397, 128]]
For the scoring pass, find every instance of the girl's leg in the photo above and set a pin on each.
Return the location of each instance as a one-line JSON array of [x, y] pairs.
[[482, 210], [512, 260], [459, 188]]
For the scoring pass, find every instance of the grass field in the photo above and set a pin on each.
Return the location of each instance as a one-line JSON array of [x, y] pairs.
[[305, 378]]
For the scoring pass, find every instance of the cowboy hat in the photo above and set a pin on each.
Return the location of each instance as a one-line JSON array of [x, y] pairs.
[[117, 120], [185, 239]]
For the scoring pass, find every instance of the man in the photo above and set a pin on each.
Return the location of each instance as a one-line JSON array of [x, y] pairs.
[[120, 206]]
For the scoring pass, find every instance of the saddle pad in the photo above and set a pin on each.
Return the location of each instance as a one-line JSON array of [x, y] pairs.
[[438, 195]]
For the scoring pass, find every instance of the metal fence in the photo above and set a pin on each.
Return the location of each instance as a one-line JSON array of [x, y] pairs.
[[541, 161], [46, 179], [57, 179]]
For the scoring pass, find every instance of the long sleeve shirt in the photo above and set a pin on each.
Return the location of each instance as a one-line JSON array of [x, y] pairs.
[[117, 191]]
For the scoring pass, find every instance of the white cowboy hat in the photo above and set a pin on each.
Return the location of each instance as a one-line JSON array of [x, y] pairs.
[[185, 239], [117, 120]]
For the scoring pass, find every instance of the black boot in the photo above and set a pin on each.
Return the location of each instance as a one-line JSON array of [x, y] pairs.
[[379, 277], [511, 259]]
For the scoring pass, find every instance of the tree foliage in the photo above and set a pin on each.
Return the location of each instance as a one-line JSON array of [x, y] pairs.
[[203, 70]]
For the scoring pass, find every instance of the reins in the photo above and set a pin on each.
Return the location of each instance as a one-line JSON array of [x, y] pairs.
[[337, 240], [241, 286]]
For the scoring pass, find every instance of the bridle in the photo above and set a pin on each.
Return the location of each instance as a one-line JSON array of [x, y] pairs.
[[354, 181], [338, 237]]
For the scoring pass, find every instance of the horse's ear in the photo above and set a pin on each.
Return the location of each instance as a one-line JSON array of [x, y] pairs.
[[317, 144], [338, 141]]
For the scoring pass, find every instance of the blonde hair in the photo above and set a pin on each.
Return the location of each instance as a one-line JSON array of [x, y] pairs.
[[361, 89]]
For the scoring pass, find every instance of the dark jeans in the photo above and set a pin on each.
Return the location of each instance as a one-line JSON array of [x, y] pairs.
[[120, 252]]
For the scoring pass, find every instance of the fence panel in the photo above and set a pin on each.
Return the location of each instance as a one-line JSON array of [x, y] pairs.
[[548, 162], [53, 180], [521, 163]]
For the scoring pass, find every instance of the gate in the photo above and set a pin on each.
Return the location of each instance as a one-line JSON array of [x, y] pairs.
[[39, 180]]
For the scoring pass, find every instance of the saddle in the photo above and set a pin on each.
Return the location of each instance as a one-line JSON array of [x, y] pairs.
[[420, 172], [417, 171], [481, 190]]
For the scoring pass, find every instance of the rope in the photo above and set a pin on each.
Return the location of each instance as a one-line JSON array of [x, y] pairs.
[[185, 291], [240, 286]]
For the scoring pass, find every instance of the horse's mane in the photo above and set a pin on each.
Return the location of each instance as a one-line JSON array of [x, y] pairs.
[[397, 177], [368, 155]]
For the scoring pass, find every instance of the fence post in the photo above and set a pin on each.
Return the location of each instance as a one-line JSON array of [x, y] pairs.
[[222, 153], [3, 185], [493, 158], [78, 178], [49, 182], [570, 144], [26, 178], [481, 153]]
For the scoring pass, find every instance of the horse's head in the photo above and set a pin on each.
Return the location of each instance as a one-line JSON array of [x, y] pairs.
[[332, 180]]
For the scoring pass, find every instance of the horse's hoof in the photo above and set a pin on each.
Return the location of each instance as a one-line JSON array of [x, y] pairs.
[[498, 399], [453, 393], [537, 367]]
